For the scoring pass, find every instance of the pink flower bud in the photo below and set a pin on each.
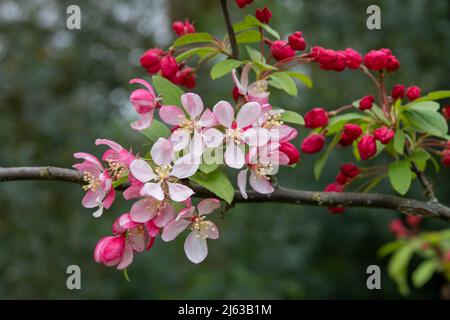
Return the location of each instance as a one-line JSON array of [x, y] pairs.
[[334, 187], [397, 227], [366, 103], [392, 63], [413, 92], [376, 59], [110, 250], [169, 66], [185, 77], [352, 58], [384, 134], [243, 3], [398, 92], [367, 147], [316, 118], [290, 151], [341, 179], [350, 170], [281, 50], [350, 133], [151, 60], [413, 221], [142, 100], [313, 143], [296, 41], [263, 15], [181, 28], [235, 93], [446, 112]]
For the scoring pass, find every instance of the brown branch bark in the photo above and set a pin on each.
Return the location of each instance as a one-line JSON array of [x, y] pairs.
[[281, 195], [231, 34]]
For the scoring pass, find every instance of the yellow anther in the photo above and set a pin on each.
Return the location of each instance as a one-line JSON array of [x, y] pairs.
[[92, 183]]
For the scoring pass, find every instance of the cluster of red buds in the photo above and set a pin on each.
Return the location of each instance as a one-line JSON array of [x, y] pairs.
[[315, 118], [337, 60], [181, 28], [381, 59], [400, 230], [398, 92], [243, 3], [348, 172], [263, 15], [282, 50]]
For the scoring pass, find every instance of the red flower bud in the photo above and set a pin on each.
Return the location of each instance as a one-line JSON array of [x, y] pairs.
[[315, 52], [337, 210], [235, 93], [334, 187], [413, 92], [350, 133], [376, 59], [181, 28], [342, 179], [398, 228], [445, 160], [316, 118], [446, 112], [281, 50], [290, 151], [367, 147], [263, 15], [187, 77], [413, 221], [398, 92], [296, 41], [392, 63], [313, 143], [169, 66], [352, 58], [151, 60], [243, 3], [350, 170], [366, 103], [384, 134]]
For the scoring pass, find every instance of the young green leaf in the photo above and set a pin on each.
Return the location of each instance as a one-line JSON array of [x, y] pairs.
[[156, 130], [251, 22], [318, 167], [216, 182], [422, 105], [285, 82], [390, 247], [189, 38], [201, 52], [170, 93], [400, 176], [435, 95], [223, 67], [398, 267], [292, 117], [208, 168], [300, 76], [248, 36], [399, 142], [424, 272], [427, 120], [255, 55]]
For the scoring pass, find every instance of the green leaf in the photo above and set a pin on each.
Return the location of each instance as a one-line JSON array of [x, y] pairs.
[[201, 52], [428, 121], [216, 182], [398, 267], [189, 38], [435, 95], [375, 110], [223, 67], [262, 66], [400, 176], [170, 93], [156, 130], [292, 117], [248, 36], [120, 181], [399, 142], [390, 247], [285, 82], [424, 105], [255, 55], [419, 155], [208, 168], [336, 123], [424, 272], [300, 76], [375, 181], [318, 167], [251, 22]]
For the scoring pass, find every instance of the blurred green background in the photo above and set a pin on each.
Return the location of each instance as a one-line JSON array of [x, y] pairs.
[[60, 90]]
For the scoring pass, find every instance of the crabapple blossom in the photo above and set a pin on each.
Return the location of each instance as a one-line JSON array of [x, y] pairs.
[[151, 60], [350, 133], [313, 143], [117, 157], [99, 188], [240, 130], [384, 134], [163, 180], [181, 28], [398, 92], [367, 147], [316, 118], [353, 58], [413, 92], [281, 50], [271, 120], [290, 151], [366, 103], [296, 41], [169, 66], [195, 245], [144, 102], [254, 92]]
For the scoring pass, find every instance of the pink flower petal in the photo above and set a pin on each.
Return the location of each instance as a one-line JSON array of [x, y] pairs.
[[138, 240], [142, 171], [144, 83], [144, 210], [162, 152], [208, 119], [127, 258], [195, 247], [213, 231], [173, 229], [248, 114], [145, 121], [153, 190], [91, 199], [90, 158], [179, 192], [260, 184], [212, 138], [224, 113], [185, 166], [242, 183], [180, 139], [113, 145], [286, 133], [256, 136], [193, 104], [172, 115], [207, 206], [234, 156], [109, 199], [164, 216]]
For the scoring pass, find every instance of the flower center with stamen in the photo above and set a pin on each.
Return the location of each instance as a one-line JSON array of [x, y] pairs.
[[235, 135], [273, 120], [116, 169], [163, 172], [92, 183], [187, 124], [202, 226], [264, 170], [261, 86]]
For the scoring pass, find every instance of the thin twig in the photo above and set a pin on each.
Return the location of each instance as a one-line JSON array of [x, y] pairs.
[[231, 34]]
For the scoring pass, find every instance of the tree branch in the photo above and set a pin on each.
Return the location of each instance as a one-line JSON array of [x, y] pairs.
[[281, 195], [231, 34]]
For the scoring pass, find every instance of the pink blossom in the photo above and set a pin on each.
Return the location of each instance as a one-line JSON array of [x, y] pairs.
[[197, 125], [240, 130], [280, 132], [162, 181], [254, 92], [100, 191], [117, 157], [144, 102], [195, 245]]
